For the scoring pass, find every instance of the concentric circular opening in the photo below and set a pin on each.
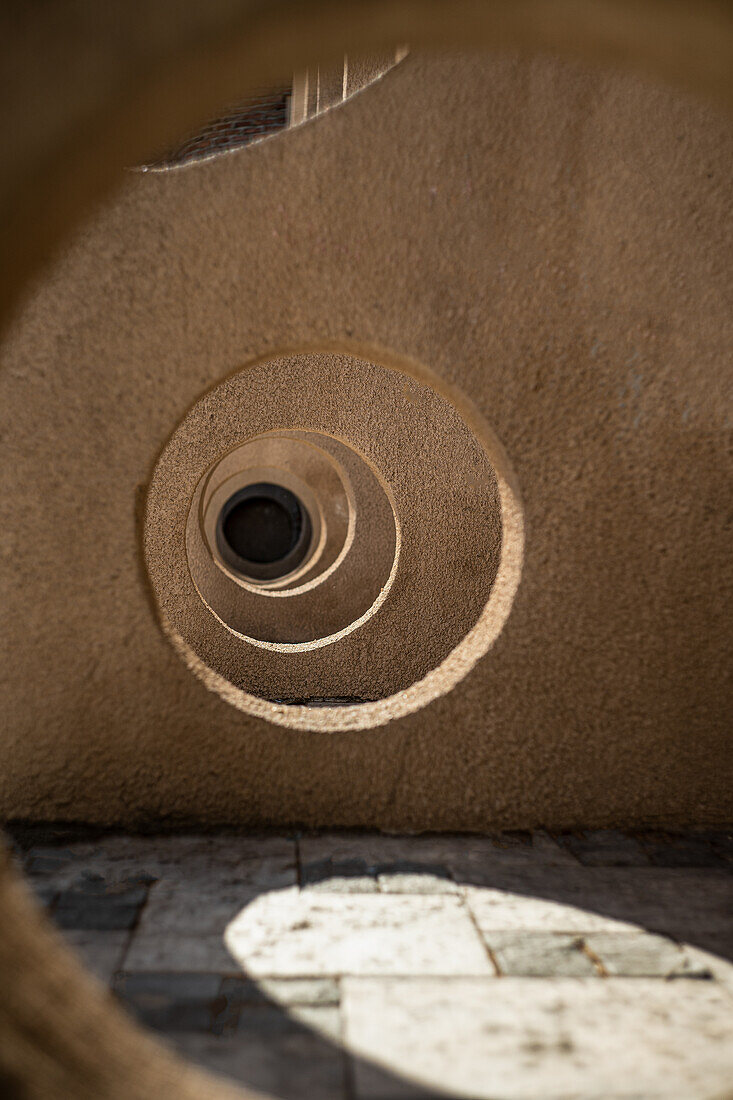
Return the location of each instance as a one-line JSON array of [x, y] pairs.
[[405, 581], [263, 531], [272, 551]]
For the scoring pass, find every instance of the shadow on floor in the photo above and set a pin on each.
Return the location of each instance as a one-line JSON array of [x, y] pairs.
[[288, 1043]]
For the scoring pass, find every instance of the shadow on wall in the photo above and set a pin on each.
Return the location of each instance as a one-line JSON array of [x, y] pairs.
[[371, 925]]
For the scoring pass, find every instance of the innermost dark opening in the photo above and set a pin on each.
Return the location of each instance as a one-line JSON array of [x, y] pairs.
[[264, 527], [263, 532]]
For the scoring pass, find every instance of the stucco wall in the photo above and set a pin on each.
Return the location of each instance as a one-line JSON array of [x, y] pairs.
[[553, 241]]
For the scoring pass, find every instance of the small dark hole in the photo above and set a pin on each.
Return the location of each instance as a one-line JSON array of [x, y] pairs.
[[264, 531], [261, 529]]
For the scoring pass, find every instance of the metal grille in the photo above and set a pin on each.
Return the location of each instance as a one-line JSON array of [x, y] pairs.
[[262, 114]]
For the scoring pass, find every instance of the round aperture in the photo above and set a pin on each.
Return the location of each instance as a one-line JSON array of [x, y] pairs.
[[411, 565], [270, 539], [263, 531]]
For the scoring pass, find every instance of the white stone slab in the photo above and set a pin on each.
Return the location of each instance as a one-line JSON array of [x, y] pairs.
[[527, 1038], [293, 933]]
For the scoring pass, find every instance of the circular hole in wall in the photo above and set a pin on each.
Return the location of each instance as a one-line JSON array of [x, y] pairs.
[[327, 584], [414, 556], [263, 531]]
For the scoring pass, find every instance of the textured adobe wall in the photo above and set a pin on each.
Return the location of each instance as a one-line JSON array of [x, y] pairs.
[[555, 242]]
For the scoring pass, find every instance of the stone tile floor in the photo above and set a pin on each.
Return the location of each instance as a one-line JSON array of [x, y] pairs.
[[371, 967]]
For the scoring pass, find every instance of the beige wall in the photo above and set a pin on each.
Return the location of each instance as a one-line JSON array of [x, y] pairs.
[[553, 241]]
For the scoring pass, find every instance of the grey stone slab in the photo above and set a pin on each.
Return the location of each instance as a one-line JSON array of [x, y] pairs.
[[303, 934], [173, 1001], [605, 848], [186, 848], [681, 850], [49, 861], [272, 1053], [677, 902], [370, 848], [178, 951], [44, 892], [643, 955], [471, 859], [366, 864], [90, 902], [540, 955], [240, 990], [63, 869], [100, 952], [171, 985], [58, 866], [524, 1038], [478, 860], [373, 849], [185, 906], [374, 1081], [268, 866], [91, 884], [207, 861]]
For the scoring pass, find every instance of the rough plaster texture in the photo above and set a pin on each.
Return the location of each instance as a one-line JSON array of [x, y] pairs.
[[553, 241]]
